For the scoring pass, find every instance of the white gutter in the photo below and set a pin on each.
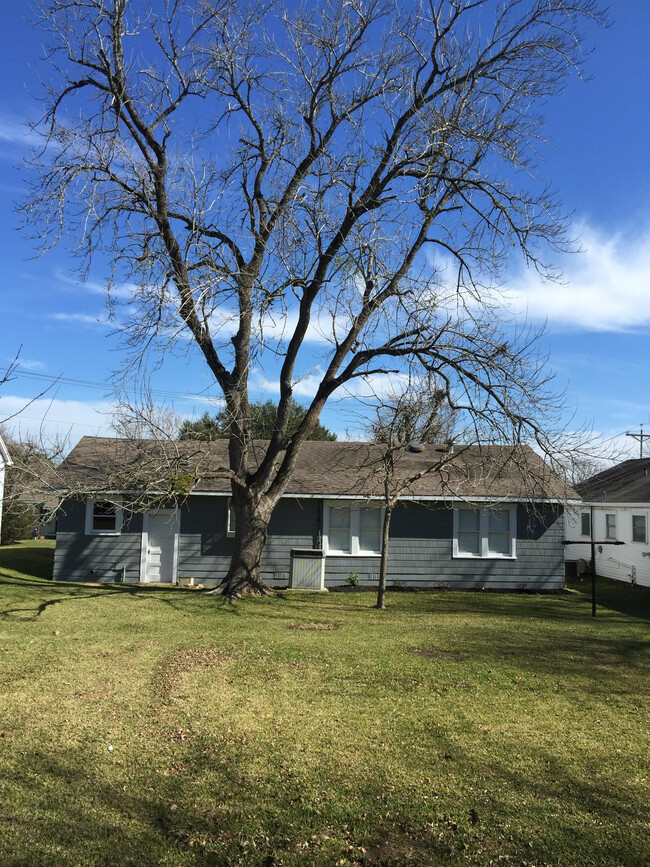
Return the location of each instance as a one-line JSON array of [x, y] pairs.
[[611, 504], [356, 497]]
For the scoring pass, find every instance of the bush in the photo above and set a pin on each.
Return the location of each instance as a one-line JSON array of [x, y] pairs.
[[18, 521]]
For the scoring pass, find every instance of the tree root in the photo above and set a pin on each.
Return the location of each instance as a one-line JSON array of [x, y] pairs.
[[240, 589]]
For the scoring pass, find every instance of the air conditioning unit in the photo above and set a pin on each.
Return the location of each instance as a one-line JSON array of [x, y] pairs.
[[307, 569]]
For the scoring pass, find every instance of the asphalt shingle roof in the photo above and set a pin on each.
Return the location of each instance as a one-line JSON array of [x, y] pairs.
[[326, 469], [627, 482]]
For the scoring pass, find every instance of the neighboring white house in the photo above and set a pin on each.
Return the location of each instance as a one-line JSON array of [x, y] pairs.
[[5, 461], [619, 500]]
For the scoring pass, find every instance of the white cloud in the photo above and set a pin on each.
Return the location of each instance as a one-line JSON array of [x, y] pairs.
[[118, 291], [364, 388], [79, 318], [30, 363], [606, 287], [56, 417], [15, 131]]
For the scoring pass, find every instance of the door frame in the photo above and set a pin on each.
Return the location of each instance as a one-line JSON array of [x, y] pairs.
[[175, 520]]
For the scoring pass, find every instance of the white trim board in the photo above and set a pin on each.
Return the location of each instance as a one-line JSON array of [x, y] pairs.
[[414, 498]]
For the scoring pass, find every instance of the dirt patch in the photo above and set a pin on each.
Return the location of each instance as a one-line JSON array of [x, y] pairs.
[[398, 848], [181, 662], [315, 627], [439, 654]]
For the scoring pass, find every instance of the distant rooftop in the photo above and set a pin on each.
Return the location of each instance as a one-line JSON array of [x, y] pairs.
[[628, 482]]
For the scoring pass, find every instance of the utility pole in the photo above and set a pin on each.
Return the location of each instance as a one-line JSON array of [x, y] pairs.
[[640, 437]]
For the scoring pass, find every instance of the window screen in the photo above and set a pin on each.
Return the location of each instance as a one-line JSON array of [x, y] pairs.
[[639, 531], [369, 531], [339, 529], [499, 532], [469, 531]]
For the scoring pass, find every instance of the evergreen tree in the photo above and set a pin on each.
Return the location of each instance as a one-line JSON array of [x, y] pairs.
[[263, 420]]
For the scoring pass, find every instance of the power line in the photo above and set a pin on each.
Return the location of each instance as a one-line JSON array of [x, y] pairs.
[[86, 383], [18, 418]]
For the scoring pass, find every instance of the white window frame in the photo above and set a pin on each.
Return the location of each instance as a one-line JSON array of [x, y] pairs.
[[90, 508], [613, 535], [485, 553], [643, 541], [230, 519], [355, 510]]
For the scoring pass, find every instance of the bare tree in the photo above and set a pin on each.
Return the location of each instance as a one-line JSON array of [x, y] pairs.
[[261, 172], [419, 415]]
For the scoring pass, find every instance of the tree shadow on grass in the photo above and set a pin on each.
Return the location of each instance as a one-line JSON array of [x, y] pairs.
[[208, 803], [68, 591], [34, 561], [631, 600]]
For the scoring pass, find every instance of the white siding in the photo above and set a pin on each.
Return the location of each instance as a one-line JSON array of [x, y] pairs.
[[629, 562]]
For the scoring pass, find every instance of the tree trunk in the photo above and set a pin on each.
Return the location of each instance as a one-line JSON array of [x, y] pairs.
[[383, 565], [244, 576]]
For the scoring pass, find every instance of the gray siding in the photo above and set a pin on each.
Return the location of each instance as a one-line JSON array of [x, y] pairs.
[[205, 549], [78, 557], [420, 554], [420, 551]]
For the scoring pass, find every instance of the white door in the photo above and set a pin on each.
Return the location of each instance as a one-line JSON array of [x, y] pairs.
[[161, 543]]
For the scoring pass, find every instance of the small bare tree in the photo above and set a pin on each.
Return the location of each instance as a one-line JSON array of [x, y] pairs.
[[258, 173], [419, 415]]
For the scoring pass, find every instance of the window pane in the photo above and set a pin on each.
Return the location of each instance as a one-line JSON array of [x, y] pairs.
[[340, 518], [231, 518], [638, 528], [499, 522], [610, 526], [499, 532], [585, 524], [469, 543], [468, 520], [499, 543], [370, 530], [339, 540], [339, 529], [104, 515]]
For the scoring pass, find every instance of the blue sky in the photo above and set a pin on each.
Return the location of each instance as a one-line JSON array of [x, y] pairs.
[[598, 319]]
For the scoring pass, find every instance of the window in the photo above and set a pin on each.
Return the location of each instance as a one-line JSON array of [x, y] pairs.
[[351, 528], [103, 517], [230, 519], [639, 529], [369, 531], [339, 537], [469, 532], [610, 526], [585, 524], [484, 532]]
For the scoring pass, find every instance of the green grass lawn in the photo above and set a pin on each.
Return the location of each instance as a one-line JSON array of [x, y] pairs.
[[160, 726]]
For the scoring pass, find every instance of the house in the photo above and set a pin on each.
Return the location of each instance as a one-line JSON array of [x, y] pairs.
[[617, 502], [489, 518], [5, 461]]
